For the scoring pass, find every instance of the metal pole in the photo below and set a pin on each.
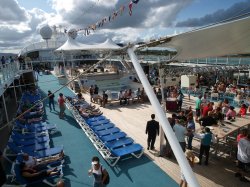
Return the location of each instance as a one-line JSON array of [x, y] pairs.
[[185, 167], [6, 112]]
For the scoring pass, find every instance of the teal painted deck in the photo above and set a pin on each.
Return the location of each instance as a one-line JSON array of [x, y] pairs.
[[79, 150]]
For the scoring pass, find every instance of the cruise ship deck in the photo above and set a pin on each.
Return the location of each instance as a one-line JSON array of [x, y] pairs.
[[79, 150], [149, 170]]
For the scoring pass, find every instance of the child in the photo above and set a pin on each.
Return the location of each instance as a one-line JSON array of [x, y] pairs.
[[192, 159]]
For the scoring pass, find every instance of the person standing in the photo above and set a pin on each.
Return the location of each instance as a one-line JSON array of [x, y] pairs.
[[152, 130], [180, 133], [91, 92], [198, 108], [51, 100], [207, 139], [190, 129], [96, 90], [243, 156], [99, 172], [104, 99], [180, 100], [61, 103]]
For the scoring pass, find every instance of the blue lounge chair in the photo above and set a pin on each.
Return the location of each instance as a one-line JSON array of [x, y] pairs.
[[119, 143], [38, 154], [35, 128], [26, 142], [35, 125], [106, 132], [96, 119], [113, 137], [19, 135], [96, 123], [103, 127], [134, 149], [18, 178]]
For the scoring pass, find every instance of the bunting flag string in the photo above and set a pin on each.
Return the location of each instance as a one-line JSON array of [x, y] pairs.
[[112, 16], [107, 19]]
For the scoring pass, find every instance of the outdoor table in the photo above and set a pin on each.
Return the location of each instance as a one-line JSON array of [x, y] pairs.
[[226, 128]]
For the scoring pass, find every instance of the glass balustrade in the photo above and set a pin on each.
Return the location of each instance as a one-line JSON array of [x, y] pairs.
[[9, 70]]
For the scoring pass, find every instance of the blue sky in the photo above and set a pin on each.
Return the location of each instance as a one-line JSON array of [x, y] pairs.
[[42, 4], [151, 19], [200, 8]]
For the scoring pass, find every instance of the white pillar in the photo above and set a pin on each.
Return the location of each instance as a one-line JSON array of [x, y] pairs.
[[185, 167]]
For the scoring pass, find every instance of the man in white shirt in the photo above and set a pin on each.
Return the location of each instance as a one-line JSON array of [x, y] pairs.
[[243, 156], [180, 133]]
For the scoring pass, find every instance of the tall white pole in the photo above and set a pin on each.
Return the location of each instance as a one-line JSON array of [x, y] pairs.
[[185, 167]]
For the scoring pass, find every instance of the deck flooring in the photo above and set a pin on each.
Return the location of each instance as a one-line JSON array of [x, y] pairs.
[[132, 120]]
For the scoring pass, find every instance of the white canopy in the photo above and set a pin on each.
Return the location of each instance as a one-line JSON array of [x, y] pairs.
[[73, 45], [229, 38]]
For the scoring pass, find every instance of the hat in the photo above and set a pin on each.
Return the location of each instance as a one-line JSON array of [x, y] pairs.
[[94, 162], [190, 156]]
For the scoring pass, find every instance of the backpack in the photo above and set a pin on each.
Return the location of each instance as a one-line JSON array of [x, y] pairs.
[[107, 178]]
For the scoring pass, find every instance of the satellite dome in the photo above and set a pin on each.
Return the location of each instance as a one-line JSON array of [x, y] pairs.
[[46, 32], [72, 33]]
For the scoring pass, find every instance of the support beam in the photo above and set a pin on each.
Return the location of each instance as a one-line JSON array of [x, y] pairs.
[[185, 167]]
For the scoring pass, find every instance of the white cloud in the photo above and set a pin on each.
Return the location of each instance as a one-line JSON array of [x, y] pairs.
[[11, 12], [147, 16], [150, 18]]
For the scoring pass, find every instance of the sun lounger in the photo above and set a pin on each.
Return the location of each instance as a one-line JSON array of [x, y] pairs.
[[12, 149], [130, 149], [134, 149], [35, 147], [35, 124], [113, 137], [108, 139], [96, 119], [17, 177], [103, 127], [26, 142], [36, 127], [96, 123], [51, 163], [106, 132], [38, 154], [21, 136], [119, 143]]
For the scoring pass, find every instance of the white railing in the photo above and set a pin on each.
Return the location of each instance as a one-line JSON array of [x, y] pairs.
[[9, 70]]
